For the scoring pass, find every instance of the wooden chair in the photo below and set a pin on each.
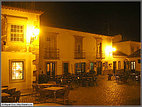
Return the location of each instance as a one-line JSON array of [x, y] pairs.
[[11, 91], [34, 86], [5, 91], [4, 86], [45, 95], [62, 95], [16, 96]]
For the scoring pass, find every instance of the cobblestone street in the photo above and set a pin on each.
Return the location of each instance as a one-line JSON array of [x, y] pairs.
[[104, 93], [107, 93]]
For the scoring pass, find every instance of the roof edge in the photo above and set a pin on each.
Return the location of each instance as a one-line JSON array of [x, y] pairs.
[[22, 9]]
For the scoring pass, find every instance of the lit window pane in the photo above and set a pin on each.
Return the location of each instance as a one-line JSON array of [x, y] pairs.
[[134, 65], [17, 70], [17, 30]]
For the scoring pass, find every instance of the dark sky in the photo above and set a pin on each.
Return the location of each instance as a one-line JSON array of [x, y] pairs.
[[108, 18]]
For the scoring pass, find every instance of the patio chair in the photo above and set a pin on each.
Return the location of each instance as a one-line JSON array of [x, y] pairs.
[[11, 91], [62, 95], [7, 99], [4, 86], [45, 95], [5, 91], [16, 96]]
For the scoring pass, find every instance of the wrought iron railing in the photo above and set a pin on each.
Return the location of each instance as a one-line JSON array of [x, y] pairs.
[[79, 54], [100, 56], [51, 54]]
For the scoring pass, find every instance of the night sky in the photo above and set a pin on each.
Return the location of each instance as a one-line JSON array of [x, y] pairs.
[[108, 18]]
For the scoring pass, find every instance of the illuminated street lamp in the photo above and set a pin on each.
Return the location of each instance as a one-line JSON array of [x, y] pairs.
[[35, 33], [32, 33], [109, 50], [113, 49]]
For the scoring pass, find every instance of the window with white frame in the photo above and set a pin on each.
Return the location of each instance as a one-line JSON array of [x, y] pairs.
[[17, 33], [17, 70]]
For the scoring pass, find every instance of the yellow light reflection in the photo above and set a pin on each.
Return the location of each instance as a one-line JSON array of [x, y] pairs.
[[18, 67], [17, 75]]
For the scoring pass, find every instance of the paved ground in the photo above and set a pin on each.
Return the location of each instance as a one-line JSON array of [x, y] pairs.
[[105, 93]]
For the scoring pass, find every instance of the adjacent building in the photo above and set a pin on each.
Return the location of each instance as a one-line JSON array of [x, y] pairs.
[[127, 55], [64, 51], [20, 46]]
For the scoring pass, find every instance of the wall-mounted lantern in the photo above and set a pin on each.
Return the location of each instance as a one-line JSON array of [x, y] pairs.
[[109, 50], [32, 33], [35, 33]]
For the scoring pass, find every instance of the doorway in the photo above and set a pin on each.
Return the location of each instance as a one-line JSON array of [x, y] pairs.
[[133, 65], [99, 67], [114, 67], [65, 68], [50, 69]]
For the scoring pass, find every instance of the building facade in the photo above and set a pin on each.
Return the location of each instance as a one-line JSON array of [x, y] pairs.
[[66, 51], [135, 61], [20, 46], [130, 54]]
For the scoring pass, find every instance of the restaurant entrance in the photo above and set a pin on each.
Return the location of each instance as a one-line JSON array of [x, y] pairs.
[[50, 69]]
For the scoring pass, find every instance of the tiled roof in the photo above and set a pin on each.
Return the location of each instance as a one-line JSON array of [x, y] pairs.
[[22, 9], [135, 54], [118, 53]]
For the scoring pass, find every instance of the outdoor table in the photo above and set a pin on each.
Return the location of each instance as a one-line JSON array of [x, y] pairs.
[[54, 90], [86, 81], [3, 89], [45, 84], [65, 81], [5, 95]]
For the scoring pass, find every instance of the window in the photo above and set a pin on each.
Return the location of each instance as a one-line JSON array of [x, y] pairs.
[[139, 61], [17, 70], [99, 48], [78, 43], [51, 51], [17, 33], [78, 52], [119, 64], [91, 66], [80, 67], [133, 65]]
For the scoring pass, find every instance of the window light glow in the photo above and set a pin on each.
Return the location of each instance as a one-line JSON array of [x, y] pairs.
[[17, 75]]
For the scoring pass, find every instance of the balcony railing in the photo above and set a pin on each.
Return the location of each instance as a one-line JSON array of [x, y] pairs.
[[79, 55], [100, 56], [51, 54]]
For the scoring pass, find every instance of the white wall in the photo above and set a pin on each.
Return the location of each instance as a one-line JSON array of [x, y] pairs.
[[28, 68]]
